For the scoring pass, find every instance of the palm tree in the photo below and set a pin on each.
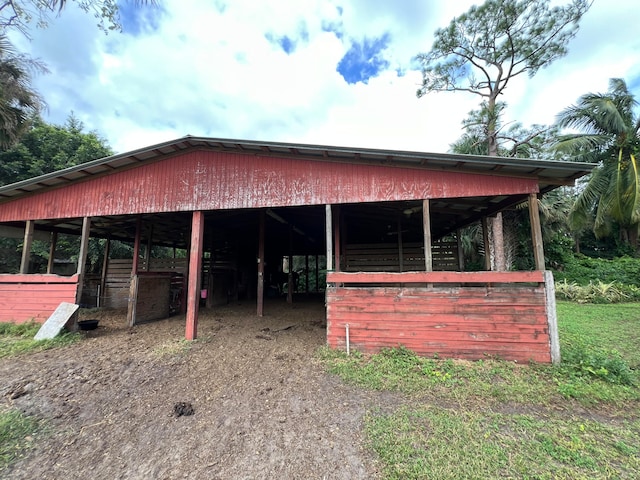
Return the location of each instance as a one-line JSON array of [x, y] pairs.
[[609, 135], [19, 102]]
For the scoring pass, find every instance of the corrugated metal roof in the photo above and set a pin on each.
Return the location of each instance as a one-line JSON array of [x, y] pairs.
[[549, 173]]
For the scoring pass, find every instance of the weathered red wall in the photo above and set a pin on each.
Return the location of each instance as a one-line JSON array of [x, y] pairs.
[[204, 180], [34, 297], [460, 322]]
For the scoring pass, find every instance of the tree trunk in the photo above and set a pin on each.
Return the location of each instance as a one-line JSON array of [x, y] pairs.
[[496, 222]]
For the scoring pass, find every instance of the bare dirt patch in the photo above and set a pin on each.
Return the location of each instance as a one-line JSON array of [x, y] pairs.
[[259, 404]]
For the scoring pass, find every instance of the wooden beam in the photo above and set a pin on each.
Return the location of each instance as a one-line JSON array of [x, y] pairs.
[[534, 276], [105, 267], [261, 264], [52, 252], [400, 247], [336, 243], [536, 232], [26, 246], [290, 272], [552, 317], [426, 227], [487, 244], [147, 252], [329, 237], [460, 250], [136, 247], [195, 267], [82, 256]]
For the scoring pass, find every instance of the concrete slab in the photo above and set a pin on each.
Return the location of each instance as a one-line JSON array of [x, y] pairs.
[[57, 321]]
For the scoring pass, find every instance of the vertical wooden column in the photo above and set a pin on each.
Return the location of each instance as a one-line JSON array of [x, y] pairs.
[[317, 275], [552, 317], [261, 264], [536, 232], [487, 244], [103, 273], [290, 272], [133, 286], [147, 252], [337, 241], [26, 246], [195, 266], [460, 250], [498, 242], [82, 256], [329, 237], [52, 252], [426, 227], [136, 247], [400, 247], [306, 274]]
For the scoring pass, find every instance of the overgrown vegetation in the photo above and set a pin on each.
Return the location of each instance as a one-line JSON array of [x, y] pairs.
[[16, 435], [498, 419], [17, 338]]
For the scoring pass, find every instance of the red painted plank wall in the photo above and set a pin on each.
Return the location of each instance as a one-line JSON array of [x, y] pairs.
[[461, 322], [204, 180], [34, 297]]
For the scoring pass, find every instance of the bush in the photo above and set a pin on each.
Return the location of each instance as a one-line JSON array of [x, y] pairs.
[[584, 270], [597, 292], [581, 360]]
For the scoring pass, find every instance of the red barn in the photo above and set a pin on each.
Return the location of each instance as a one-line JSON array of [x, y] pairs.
[[385, 223]]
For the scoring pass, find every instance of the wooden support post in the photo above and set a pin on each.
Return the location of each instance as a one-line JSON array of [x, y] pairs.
[[103, 273], [82, 256], [552, 318], [460, 250], [195, 267], [317, 275], [329, 237], [26, 246], [136, 247], [306, 274], [147, 252], [426, 227], [536, 232], [400, 247], [52, 252], [261, 264], [290, 272], [337, 241], [487, 244]]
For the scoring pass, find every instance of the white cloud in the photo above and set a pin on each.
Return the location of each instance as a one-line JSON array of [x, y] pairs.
[[210, 69]]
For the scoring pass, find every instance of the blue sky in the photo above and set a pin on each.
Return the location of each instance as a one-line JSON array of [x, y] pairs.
[[320, 71]]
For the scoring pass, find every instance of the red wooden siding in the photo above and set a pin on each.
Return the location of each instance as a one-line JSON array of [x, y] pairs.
[[465, 321], [34, 297], [204, 180]]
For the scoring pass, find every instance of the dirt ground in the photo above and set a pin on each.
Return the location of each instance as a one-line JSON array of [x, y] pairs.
[[262, 405]]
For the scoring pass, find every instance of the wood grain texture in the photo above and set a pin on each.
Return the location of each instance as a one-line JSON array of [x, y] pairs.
[[203, 180], [34, 297], [461, 322]]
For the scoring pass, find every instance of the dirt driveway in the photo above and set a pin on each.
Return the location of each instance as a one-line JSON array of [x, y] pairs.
[[263, 406]]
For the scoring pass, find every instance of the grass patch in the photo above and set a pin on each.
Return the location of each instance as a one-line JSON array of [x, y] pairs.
[[599, 347], [16, 435], [445, 444], [17, 339], [173, 348]]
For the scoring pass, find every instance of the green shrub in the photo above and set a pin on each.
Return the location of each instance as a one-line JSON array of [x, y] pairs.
[[582, 360], [597, 292], [584, 270]]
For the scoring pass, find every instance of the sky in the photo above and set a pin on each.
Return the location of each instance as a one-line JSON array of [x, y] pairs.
[[327, 72]]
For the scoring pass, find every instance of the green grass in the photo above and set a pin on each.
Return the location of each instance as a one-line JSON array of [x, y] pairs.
[[17, 339], [499, 419], [431, 442], [16, 435]]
